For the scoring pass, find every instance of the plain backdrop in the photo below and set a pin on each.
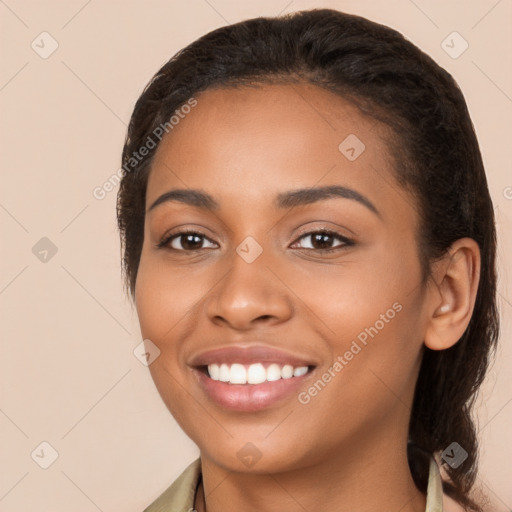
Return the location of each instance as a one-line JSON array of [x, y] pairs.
[[70, 74]]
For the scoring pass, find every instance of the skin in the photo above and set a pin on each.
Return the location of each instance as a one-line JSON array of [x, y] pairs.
[[346, 448]]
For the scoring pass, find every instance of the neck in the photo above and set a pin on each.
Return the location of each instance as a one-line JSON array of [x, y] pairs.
[[366, 478]]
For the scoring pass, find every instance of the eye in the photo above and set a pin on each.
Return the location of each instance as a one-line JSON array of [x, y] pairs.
[[187, 241], [322, 241]]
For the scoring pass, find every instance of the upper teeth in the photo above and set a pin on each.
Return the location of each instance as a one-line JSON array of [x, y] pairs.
[[254, 373]]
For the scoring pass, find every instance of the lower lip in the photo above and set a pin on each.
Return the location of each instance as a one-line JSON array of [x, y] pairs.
[[249, 397]]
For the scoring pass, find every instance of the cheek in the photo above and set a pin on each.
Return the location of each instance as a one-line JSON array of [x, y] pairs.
[[370, 313], [163, 297], [359, 293], [162, 302]]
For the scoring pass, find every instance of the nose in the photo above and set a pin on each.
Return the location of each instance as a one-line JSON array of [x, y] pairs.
[[249, 294]]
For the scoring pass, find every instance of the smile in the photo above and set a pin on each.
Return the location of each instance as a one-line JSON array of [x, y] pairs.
[[250, 378], [255, 373]]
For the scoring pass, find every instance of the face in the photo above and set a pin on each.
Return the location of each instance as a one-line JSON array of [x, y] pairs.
[[294, 265]]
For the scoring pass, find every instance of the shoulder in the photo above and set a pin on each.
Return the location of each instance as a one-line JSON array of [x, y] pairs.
[[179, 497]]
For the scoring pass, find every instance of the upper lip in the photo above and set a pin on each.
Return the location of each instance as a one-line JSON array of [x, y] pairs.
[[248, 355]]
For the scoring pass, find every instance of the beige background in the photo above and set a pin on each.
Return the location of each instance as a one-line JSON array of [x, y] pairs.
[[68, 374]]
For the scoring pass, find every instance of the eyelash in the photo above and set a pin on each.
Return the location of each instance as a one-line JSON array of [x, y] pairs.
[[164, 243]]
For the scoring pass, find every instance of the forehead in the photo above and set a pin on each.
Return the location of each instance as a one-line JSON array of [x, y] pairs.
[[266, 138]]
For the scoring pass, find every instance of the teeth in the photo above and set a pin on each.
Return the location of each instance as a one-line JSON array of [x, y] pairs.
[[237, 374], [273, 372], [287, 371], [214, 372], [223, 372], [254, 373], [299, 372]]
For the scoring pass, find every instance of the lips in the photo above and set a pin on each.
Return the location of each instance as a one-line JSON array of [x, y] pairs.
[[250, 378], [249, 355]]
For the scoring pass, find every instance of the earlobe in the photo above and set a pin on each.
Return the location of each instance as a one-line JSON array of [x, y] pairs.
[[451, 299]]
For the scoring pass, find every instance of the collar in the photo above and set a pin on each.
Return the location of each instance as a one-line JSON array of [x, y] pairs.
[[434, 489]]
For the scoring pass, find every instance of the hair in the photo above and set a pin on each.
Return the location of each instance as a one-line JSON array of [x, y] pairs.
[[436, 158]]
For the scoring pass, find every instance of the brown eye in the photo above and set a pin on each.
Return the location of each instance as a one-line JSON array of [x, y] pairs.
[[185, 241], [322, 241]]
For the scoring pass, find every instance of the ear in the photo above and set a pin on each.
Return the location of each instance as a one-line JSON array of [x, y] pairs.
[[452, 295]]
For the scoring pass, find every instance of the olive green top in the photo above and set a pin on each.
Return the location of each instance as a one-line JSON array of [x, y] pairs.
[[180, 496]]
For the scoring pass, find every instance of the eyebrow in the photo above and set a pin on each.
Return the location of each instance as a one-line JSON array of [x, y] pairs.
[[289, 199]]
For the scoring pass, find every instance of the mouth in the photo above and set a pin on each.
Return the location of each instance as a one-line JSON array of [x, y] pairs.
[[251, 388], [251, 377]]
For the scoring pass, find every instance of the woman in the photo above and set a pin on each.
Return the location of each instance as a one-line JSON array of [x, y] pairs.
[[309, 240]]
